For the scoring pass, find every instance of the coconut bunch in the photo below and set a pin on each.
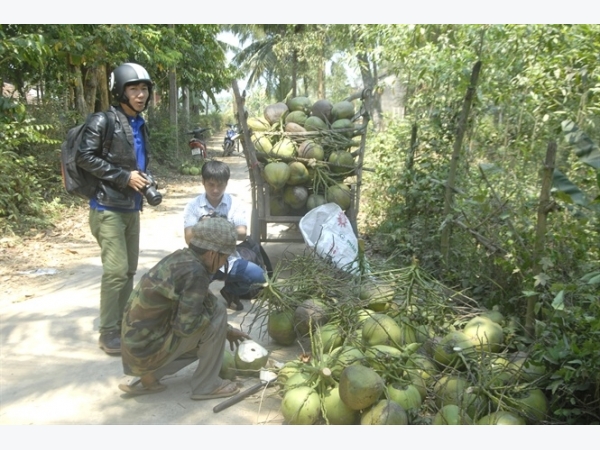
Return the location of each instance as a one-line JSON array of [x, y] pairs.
[[309, 151], [398, 347], [187, 168]]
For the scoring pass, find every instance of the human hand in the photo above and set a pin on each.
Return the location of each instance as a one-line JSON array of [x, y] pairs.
[[235, 336], [137, 181]]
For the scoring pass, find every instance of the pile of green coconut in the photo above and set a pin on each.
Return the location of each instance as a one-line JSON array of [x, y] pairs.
[[395, 347], [309, 151]]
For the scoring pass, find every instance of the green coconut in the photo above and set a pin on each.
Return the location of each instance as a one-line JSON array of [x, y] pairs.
[[258, 124], [344, 126], [314, 123], [339, 194], [532, 403], [276, 174], [310, 149], [296, 380], [406, 395], [228, 367], [501, 418], [275, 112], [341, 162], [322, 109], [298, 174], [285, 148], [277, 207], [261, 143], [185, 170], [360, 387], [486, 334], [299, 103], [342, 110], [385, 412], [309, 313], [295, 196], [335, 410], [330, 336], [408, 335], [280, 327], [297, 117], [451, 415], [292, 127], [524, 369], [449, 390], [378, 295], [447, 351], [315, 200], [289, 369], [381, 329], [380, 356], [301, 406], [423, 367], [194, 171], [344, 356], [250, 357]]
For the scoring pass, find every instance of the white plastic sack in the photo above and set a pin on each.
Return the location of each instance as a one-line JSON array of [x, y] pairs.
[[328, 231]]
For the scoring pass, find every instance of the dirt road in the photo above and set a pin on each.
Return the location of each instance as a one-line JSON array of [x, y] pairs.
[[52, 371]]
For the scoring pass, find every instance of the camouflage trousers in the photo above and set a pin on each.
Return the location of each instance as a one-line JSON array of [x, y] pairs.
[[206, 347]]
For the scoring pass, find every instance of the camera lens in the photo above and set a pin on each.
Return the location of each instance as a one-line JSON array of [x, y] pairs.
[[153, 196]]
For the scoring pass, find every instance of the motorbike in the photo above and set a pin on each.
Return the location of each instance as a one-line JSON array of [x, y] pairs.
[[197, 143], [231, 140]]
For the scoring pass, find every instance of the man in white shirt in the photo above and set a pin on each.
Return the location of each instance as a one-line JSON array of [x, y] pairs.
[[240, 275]]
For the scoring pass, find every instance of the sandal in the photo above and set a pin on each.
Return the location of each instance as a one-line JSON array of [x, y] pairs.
[[227, 389], [137, 388]]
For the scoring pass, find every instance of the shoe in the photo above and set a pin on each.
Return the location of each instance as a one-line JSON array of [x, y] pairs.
[[227, 389], [137, 388], [110, 342], [233, 301]]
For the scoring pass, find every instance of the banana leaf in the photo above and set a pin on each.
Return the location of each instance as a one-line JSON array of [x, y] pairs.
[[585, 149], [564, 189]]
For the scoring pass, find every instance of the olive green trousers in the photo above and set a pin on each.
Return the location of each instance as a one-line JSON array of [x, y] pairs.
[[118, 235]]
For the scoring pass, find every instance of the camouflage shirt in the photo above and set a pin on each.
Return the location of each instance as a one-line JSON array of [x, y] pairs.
[[170, 302]]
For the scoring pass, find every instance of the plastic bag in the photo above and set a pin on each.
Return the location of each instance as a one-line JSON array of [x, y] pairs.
[[328, 231]]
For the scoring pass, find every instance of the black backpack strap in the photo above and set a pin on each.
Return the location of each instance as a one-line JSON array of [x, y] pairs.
[[110, 131]]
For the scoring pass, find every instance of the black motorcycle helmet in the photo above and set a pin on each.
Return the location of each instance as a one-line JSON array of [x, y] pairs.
[[125, 74]]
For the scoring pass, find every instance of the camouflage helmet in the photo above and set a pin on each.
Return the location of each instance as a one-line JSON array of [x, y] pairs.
[[214, 233]]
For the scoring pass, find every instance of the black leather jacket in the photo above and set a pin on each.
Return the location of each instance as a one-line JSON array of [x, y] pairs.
[[114, 170]]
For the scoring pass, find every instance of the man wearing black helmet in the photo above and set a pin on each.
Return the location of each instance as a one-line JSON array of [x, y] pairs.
[[114, 209]]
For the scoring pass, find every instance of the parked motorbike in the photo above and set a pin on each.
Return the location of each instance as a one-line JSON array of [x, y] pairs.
[[231, 141], [197, 143]]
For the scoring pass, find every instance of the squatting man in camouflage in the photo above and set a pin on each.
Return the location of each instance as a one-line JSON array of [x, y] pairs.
[[172, 319]]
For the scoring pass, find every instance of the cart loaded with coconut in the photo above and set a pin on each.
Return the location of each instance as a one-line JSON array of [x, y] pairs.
[[301, 155]]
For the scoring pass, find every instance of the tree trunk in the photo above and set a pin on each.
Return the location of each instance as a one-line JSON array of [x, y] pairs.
[[173, 96], [90, 88], [294, 73], [460, 132], [77, 84], [103, 93], [540, 231], [186, 102], [373, 100]]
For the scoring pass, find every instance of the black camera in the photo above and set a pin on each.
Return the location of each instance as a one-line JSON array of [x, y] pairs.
[[150, 191]]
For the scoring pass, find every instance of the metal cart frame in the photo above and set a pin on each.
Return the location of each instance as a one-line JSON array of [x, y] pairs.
[[261, 213]]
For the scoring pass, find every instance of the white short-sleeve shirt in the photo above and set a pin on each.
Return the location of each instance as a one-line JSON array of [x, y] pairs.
[[228, 207]]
